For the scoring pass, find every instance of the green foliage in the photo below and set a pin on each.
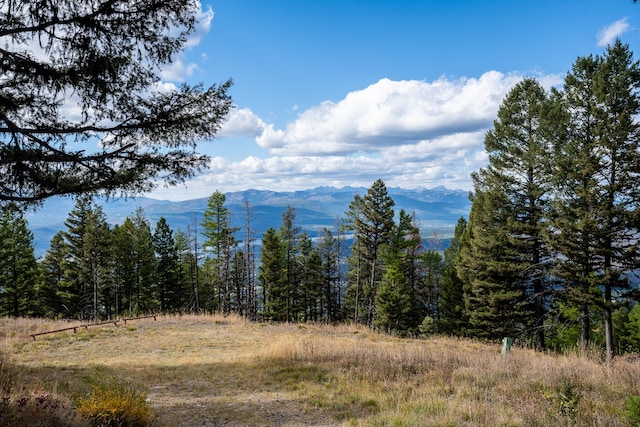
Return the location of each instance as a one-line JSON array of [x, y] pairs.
[[627, 328], [596, 167], [170, 292], [370, 218], [126, 132], [18, 268], [504, 260], [632, 415], [452, 319], [115, 404], [271, 276], [565, 398], [220, 243], [428, 326]]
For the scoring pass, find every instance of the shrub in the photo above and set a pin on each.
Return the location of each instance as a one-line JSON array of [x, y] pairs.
[[113, 404]]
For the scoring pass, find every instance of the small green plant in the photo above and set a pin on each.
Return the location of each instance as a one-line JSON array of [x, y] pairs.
[[427, 327], [114, 404], [565, 399], [633, 410]]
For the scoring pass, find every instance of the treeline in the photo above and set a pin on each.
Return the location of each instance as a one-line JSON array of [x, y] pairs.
[[548, 256], [382, 276]]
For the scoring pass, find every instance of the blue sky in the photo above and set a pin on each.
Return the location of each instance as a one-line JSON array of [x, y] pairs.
[[343, 92]]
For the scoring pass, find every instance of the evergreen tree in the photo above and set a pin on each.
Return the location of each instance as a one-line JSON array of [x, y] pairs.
[[371, 220], [451, 313], [429, 285], [167, 278], [184, 279], [103, 59], [79, 292], [125, 280], [56, 292], [297, 246], [144, 263], [597, 171], [272, 278], [397, 303], [245, 266], [95, 268], [494, 297], [18, 266], [328, 250], [393, 300], [357, 270], [513, 190], [313, 287], [221, 242]]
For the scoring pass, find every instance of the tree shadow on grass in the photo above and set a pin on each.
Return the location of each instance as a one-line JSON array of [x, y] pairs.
[[212, 394]]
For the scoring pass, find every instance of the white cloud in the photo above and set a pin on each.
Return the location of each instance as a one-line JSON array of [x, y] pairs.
[[411, 134], [180, 69], [609, 33], [203, 25], [392, 113], [242, 122]]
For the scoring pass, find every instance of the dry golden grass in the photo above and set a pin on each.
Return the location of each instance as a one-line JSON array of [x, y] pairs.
[[208, 371]]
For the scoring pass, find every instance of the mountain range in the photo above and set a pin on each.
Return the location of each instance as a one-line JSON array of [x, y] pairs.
[[437, 211]]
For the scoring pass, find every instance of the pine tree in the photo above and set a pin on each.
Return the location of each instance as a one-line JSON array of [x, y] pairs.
[[167, 279], [328, 250], [512, 192], [184, 278], [276, 296], [18, 266], [494, 295], [451, 313], [371, 220], [597, 171], [297, 246], [79, 291], [101, 60], [145, 264], [95, 266], [221, 242], [55, 292], [397, 304], [357, 265], [313, 287], [125, 275]]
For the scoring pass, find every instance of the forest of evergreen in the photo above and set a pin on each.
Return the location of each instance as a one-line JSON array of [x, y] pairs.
[[547, 256]]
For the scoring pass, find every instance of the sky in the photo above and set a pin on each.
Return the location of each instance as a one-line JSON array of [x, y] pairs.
[[344, 92]]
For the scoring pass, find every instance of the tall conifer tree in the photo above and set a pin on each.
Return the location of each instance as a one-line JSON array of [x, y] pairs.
[[451, 313], [371, 220], [167, 279], [597, 171], [18, 266]]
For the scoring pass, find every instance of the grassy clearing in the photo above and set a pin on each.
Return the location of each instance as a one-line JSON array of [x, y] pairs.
[[203, 370]]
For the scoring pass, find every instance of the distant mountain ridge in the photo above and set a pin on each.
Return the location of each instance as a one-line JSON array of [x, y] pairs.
[[437, 210]]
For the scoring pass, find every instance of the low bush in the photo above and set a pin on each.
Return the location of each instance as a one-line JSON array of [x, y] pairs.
[[115, 404]]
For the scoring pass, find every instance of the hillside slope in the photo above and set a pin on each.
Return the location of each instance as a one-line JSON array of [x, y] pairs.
[[214, 371]]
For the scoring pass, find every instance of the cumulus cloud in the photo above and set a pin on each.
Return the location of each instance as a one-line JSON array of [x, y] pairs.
[[609, 33], [411, 134], [242, 122], [392, 113]]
